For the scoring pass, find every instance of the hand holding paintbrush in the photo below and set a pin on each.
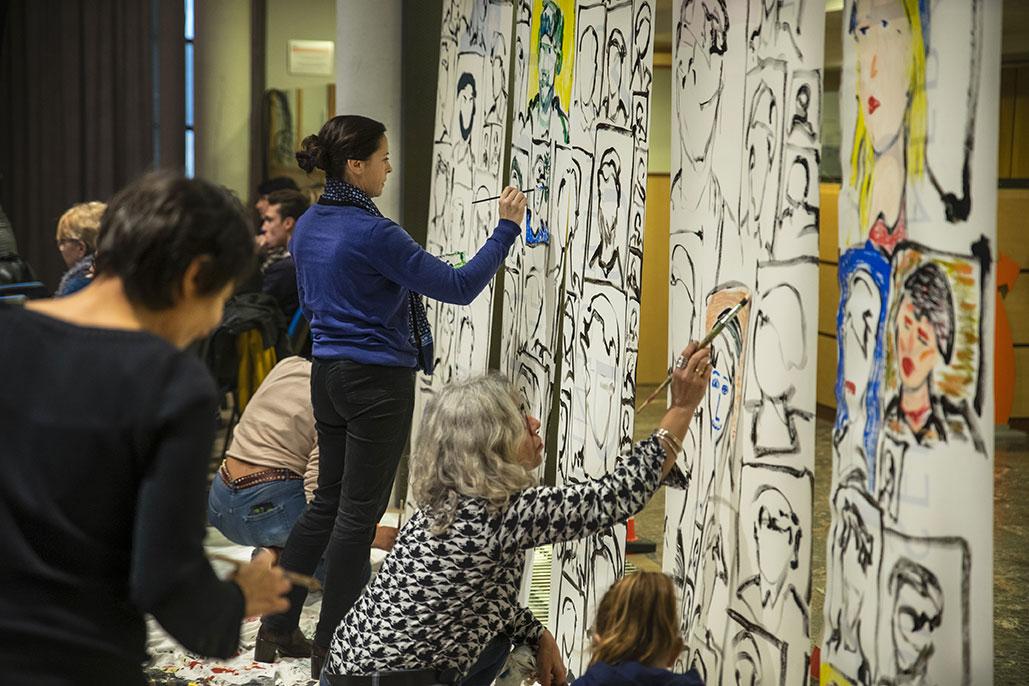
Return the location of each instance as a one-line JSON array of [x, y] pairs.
[[265, 586], [680, 362]]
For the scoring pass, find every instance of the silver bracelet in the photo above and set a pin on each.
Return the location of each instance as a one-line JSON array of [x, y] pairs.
[[662, 434]]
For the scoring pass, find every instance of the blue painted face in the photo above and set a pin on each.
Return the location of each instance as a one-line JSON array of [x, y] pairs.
[[719, 398]]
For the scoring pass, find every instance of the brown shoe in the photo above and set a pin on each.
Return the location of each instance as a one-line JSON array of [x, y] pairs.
[[318, 655], [270, 643]]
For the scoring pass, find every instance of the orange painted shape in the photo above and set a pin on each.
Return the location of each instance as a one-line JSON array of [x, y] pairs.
[[1004, 381]]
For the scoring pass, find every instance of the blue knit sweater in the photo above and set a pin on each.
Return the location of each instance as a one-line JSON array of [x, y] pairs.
[[354, 271]]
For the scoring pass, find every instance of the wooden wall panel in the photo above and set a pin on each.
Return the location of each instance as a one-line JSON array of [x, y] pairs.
[[1020, 139], [1008, 83], [825, 384], [652, 364], [828, 298]]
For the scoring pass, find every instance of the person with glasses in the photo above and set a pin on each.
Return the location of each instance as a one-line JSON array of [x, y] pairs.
[[77, 231]]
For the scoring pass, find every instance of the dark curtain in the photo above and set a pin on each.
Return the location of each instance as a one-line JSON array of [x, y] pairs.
[[93, 95]]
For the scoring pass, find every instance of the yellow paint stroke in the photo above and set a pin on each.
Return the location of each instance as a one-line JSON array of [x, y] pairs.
[[830, 676], [563, 79]]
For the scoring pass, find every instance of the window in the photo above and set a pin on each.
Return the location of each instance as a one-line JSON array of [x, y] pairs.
[[190, 141]]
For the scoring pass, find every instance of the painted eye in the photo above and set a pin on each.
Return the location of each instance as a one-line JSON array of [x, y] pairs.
[[714, 383], [885, 23], [725, 389], [863, 30]]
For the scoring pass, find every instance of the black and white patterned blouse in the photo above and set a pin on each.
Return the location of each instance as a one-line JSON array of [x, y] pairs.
[[439, 599]]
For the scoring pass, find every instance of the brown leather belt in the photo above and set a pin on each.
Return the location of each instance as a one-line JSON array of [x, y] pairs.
[[257, 478]]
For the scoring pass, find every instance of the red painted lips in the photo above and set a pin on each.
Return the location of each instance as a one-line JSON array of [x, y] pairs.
[[873, 104], [907, 366]]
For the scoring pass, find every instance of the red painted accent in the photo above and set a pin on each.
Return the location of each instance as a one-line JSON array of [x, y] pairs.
[[873, 104], [907, 365], [850, 386]]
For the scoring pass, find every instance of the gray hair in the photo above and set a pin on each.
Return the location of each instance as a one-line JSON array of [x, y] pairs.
[[468, 447]]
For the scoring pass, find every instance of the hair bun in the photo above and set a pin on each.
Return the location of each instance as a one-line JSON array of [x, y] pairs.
[[310, 154]]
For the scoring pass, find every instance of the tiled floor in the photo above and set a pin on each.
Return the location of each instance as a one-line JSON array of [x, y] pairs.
[[1010, 540]]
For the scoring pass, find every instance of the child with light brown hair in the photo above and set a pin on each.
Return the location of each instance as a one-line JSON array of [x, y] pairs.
[[636, 636]]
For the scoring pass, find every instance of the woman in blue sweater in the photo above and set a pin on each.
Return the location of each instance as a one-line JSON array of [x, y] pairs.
[[360, 278]]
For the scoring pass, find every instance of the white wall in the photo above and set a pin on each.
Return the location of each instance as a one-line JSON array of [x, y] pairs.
[[222, 67], [368, 77], [295, 20]]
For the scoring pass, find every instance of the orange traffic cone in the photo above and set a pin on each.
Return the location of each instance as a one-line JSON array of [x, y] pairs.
[[634, 545]]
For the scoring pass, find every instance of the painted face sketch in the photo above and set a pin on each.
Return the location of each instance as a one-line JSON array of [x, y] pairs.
[[698, 80], [798, 230], [476, 28], [763, 163], [599, 342], [538, 230], [498, 81], [746, 668], [855, 555], [861, 314], [916, 615], [683, 285], [587, 78], [889, 135], [441, 184], [924, 338], [724, 396], [466, 103], [777, 537], [444, 106], [607, 256], [784, 357], [641, 35], [801, 120], [616, 98], [546, 113]]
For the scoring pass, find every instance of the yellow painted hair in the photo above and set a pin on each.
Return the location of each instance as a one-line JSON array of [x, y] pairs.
[[862, 157]]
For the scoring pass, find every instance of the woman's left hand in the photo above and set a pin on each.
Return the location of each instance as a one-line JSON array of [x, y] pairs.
[[550, 668]]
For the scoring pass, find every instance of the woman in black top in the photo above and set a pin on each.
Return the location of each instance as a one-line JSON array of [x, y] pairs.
[[107, 431]]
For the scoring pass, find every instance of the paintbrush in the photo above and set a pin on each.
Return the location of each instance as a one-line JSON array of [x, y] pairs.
[[706, 341], [497, 197], [308, 582]]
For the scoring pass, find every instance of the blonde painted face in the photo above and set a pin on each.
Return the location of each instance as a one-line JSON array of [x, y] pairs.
[[883, 42]]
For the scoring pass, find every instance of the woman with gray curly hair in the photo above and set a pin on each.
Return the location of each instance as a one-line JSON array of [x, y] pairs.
[[444, 607]]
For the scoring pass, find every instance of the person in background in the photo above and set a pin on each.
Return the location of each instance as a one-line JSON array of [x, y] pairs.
[[636, 636], [360, 278], [105, 468], [271, 468], [278, 271], [443, 608], [76, 239], [269, 186], [8, 243]]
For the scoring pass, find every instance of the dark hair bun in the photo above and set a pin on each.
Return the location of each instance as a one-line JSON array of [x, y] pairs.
[[310, 154]]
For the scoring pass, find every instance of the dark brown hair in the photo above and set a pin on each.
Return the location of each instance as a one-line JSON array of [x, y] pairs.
[[342, 138], [290, 203], [636, 622], [156, 226]]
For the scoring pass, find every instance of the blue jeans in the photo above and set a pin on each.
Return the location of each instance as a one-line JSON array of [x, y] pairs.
[[260, 516]]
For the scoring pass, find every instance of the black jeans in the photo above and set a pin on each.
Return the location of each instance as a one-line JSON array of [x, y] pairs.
[[363, 416]]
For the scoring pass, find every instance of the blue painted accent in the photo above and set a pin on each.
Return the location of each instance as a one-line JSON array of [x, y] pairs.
[[869, 260], [540, 236]]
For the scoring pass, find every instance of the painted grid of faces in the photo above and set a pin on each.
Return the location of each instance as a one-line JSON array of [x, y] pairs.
[[746, 102], [467, 165], [909, 573], [583, 73]]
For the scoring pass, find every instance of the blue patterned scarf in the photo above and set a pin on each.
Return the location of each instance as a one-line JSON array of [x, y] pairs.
[[340, 191]]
